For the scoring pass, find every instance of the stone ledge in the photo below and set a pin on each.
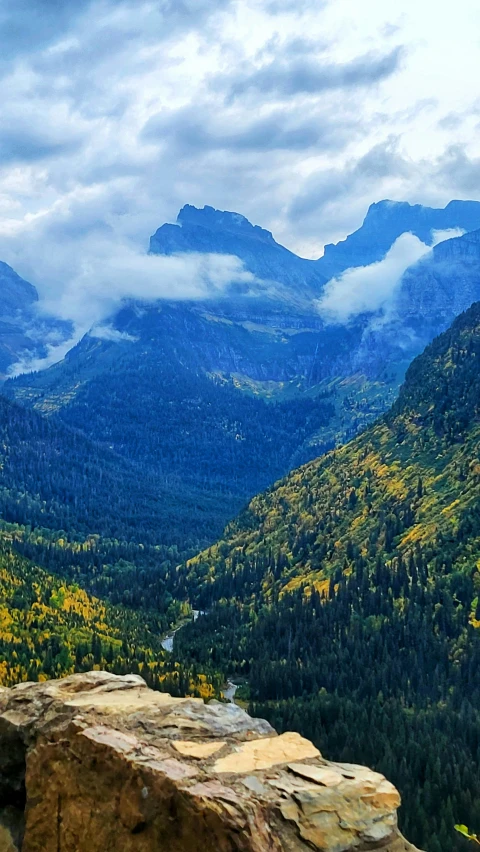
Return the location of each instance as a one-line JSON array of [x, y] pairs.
[[97, 762]]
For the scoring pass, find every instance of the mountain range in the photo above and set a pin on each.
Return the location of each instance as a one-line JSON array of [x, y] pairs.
[[227, 394]]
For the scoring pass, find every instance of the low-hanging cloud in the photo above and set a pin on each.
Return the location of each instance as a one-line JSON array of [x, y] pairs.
[[92, 271], [370, 289], [112, 272]]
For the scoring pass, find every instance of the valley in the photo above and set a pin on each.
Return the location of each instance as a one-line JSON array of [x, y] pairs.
[[229, 499], [239, 426]]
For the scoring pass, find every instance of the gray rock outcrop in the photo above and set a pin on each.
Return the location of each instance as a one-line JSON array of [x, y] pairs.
[[97, 762]]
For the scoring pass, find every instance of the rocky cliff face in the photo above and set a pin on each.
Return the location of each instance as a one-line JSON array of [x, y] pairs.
[[23, 332], [432, 293], [96, 762]]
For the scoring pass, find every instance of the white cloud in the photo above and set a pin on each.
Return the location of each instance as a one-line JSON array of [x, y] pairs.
[[55, 353], [112, 272], [368, 289], [108, 332], [446, 234], [91, 76]]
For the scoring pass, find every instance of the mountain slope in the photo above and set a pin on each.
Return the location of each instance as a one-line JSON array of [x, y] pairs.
[[49, 627], [349, 594], [83, 572], [54, 477], [23, 332], [162, 399], [431, 432]]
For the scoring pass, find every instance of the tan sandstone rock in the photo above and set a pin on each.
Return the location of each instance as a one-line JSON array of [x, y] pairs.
[[99, 763]]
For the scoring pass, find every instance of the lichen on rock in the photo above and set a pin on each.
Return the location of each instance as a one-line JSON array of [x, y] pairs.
[[97, 762]]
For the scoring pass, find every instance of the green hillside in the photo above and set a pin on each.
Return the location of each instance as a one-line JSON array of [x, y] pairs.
[[348, 595], [51, 628], [53, 476], [84, 574]]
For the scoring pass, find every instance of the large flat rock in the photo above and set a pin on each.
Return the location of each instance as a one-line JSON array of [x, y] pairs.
[[97, 762]]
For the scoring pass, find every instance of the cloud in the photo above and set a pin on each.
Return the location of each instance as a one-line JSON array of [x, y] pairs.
[[309, 75], [384, 160], [275, 7], [197, 129], [115, 113], [27, 144], [102, 272], [55, 353], [456, 167], [28, 25], [369, 289], [440, 236], [108, 332]]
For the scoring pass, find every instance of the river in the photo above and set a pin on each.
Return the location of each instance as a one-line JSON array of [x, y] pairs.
[[167, 645], [167, 641]]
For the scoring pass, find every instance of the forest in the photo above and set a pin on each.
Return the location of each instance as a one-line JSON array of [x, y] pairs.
[[347, 596], [207, 444]]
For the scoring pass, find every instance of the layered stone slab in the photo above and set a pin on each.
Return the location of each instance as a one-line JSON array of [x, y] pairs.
[[97, 762]]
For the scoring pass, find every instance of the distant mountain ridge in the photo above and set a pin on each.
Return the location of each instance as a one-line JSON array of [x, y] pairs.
[[222, 232], [385, 221]]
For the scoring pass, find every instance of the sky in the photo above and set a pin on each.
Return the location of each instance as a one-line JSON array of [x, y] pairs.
[[296, 113]]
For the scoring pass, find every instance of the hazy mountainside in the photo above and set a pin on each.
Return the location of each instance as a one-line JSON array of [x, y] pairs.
[[227, 395], [23, 332], [349, 594], [431, 294], [437, 288], [149, 400], [385, 222], [53, 477]]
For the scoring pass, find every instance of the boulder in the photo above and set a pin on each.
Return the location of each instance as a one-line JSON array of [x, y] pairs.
[[96, 762]]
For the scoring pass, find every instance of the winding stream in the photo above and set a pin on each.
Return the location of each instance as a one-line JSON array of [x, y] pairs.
[[167, 645], [167, 641]]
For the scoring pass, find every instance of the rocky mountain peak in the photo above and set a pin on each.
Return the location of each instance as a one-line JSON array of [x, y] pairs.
[[223, 232], [97, 762], [387, 220], [208, 229], [221, 220]]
